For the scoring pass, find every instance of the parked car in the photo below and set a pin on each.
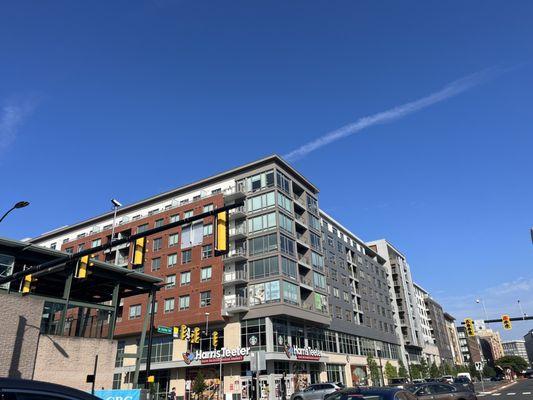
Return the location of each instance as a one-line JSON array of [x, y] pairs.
[[467, 374], [441, 391], [399, 383], [316, 391], [447, 379], [13, 389], [528, 373], [419, 381], [462, 382], [371, 393]]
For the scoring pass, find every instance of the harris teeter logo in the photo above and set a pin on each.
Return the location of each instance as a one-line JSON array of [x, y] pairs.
[[303, 353], [216, 356]]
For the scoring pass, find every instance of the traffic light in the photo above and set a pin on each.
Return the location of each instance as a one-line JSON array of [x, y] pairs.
[[215, 339], [195, 337], [138, 251], [221, 236], [184, 332], [150, 379], [81, 268], [506, 320], [469, 324], [26, 284]]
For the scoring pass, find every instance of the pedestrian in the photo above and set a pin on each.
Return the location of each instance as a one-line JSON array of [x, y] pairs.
[[283, 388], [172, 394]]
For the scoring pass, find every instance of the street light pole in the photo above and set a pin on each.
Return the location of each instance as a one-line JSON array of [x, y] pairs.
[[484, 308], [524, 315], [20, 204], [116, 205], [206, 328]]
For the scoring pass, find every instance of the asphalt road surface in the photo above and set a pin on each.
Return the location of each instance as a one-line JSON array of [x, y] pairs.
[[522, 390]]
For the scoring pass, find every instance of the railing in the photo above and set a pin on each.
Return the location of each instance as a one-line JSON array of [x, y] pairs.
[[235, 276], [236, 253], [234, 301], [301, 219], [306, 281], [299, 200], [305, 260], [302, 238], [240, 230], [233, 190]]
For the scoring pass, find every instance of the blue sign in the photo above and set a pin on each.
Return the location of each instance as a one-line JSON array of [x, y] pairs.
[[134, 394]]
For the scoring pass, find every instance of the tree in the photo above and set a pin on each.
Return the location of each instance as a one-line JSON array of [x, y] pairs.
[[447, 368], [424, 368], [199, 386], [402, 371], [390, 371], [433, 370], [416, 371], [473, 371], [488, 371], [374, 370], [516, 363]]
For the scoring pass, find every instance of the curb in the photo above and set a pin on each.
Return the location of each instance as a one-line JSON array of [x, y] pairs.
[[498, 388]]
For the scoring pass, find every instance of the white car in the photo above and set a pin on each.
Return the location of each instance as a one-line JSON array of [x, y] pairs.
[[447, 379]]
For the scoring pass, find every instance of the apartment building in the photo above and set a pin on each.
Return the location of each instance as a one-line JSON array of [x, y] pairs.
[[528, 341], [408, 325], [439, 330], [429, 350], [269, 293], [469, 347], [491, 345], [516, 348], [453, 339]]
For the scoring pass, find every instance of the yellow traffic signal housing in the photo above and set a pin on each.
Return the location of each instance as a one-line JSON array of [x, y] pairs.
[[184, 332], [195, 337], [469, 324], [26, 284], [506, 320], [138, 251], [81, 268], [215, 339], [222, 234], [150, 379]]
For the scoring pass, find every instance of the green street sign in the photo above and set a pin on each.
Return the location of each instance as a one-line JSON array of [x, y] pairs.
[[164, 329]]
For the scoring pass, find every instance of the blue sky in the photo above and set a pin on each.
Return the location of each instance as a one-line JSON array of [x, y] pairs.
[[126, 99]]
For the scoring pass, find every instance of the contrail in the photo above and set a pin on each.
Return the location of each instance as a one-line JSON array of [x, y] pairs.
[[450, 90]]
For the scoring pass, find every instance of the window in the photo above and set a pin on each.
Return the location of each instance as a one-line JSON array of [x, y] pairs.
[[54, 245], [185, 278], [173, 239], [184, 201], [336, 292], [312, 205], [321, 302], [288, 267], [319, 280], [284, 202], [6, 267], [174, 218], [285, 223], [215, 191], [159, 222], [186, 256], [290, 293], [197, 197], [185, 302], [192, 235], [208, 229], [155, 308], [172, 260], [283, 182], [208, 207], [314, 222], [169, 305], [117, 381], [261, 202], [262, 244], [315, 241], [188, 214], [205, 299], [135, 311], [81, 247], [264, 267], [338, 312], [207, 251], [330, 241], [142, 228], [156, 264], [171, 281], [157, 244], [96, 242], [259, 181], [206, 273], [346, 296], [69, 250], [286, 245], [317, 260], [262, 222], [267, 292]]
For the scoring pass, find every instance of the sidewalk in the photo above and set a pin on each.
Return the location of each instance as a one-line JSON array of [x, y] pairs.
[[498, 387]]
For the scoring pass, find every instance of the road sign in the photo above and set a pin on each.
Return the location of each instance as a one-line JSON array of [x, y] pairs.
[[479, 366], [164, 329], [258, 360]]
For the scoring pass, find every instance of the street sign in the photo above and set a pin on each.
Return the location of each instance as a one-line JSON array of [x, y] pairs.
[[258, 360], [479, 366], [164, 329]]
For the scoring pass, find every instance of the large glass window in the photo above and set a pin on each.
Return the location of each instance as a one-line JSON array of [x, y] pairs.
[[206, 273], [319, 280], [260, 181], [335, 373], [192, 235], [290, 293], [264, 267], [185, 302], [262, 244], [6, 267], [283, 182], [288, 267], [261, 293], [314, 222], [261, 202], [315, 241], [262, 222], [284, 202], [312, 204], [169, 305], [286, 223], [317, 260], [321, 302], [161, 349], [253, 334], [286, 245]]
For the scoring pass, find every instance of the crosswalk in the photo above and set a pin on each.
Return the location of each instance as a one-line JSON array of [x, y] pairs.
[[506, 394]]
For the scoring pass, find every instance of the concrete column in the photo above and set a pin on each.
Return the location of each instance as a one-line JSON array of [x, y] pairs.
[[269, 334]]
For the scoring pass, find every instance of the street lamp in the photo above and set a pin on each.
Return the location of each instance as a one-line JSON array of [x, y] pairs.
[[116, 205], [20, 204], [524, 315], [478, 301], [206, 329]]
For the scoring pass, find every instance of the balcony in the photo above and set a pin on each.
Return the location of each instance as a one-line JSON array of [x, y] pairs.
[[306, 283], [299, 201], [235, 277], [235, 255], [234, 193], [232, 304], [237, 213], [300, 219], [302, 240], [305, 261], [237, 232]]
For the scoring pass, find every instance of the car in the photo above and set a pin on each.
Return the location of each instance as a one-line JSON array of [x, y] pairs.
[[528, 373], [441, 391], [316, 391], [398, 382], [447, 379], [467, 374], [371, 393], [18, 389], [419, 381], [462, 382]]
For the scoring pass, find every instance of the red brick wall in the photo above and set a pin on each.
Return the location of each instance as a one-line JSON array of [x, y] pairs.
[[194, 315]]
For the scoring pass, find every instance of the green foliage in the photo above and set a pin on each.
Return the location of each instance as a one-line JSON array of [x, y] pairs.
[[448, 369], [390, 371], [462, 368], [473, 371], [374, 371], [424, 368], [416, 371], [488, 371], [199, 386], [516, 363], [433, 370], [402, 371]]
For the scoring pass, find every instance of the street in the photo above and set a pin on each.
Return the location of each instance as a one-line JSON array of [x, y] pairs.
[[522, 390]]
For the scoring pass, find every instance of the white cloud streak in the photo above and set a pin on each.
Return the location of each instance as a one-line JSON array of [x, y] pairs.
[[450, 90], [12, 116]]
